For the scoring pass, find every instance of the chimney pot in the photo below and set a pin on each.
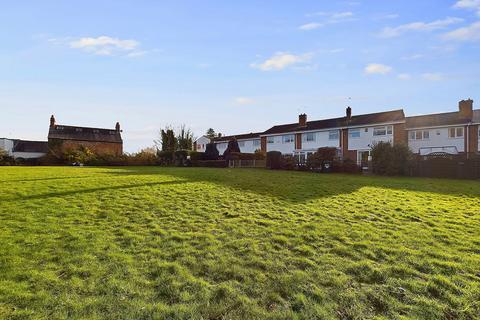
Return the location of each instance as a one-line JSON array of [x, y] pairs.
[[465, 109], [302, 120], [349, 112], [117, 126], [52, 121]]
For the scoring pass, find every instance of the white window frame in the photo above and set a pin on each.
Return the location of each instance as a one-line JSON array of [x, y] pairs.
[[288, 138], [379, 131], [356, 131], [271, 139], [455, 132], [256, 142], [305, 137], [419, 135], [241, 143], [333, 135]]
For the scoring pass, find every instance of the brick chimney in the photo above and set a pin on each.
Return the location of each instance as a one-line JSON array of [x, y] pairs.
[[349, 112], [302, 120], [465, 109], [52, 121], [117, 126]]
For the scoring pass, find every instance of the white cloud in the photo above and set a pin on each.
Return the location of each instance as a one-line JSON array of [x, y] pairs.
[[243, 101], [390, 32], [469, 33], [107, 46], [311, 26], [404, 76], [469, 5], [413, 57], [329, 18], [432, 76], [377, 68], [281, 60]]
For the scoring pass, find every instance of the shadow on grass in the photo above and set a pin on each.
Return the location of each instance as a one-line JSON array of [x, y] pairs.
[[301, 186], [45, 179], [90, 190]]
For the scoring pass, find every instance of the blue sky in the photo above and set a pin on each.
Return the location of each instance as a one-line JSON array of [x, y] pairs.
[[236, 66]]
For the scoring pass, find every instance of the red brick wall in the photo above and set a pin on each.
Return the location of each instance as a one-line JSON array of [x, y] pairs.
[[100, 148], [298, 141], [263, 144], [399, 134], [473, 139]]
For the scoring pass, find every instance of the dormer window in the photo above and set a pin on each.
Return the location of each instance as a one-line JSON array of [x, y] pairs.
[[96, 131], [78, 129], [59, 127]]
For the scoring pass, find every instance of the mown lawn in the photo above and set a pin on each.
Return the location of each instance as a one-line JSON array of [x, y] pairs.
[[192, 243]]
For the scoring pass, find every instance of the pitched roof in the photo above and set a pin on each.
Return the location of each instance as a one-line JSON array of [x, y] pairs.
[[439, 119], [239, 137], [476, 116], [364, 119], [30, 146], [84, 134]]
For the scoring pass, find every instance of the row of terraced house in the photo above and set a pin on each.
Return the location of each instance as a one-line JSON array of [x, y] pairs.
[[455, 133]]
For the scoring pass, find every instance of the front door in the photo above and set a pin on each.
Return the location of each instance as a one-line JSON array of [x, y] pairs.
[[363, 158]]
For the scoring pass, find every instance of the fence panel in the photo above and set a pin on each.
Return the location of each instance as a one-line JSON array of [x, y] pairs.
[[247, 163]]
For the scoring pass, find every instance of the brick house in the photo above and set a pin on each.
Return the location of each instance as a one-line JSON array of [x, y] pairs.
[[98, 140]]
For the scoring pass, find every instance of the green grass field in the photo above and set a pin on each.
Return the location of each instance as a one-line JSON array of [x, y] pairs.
[[193, 243]]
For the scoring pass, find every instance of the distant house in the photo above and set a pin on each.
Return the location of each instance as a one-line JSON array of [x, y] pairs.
[[24, 149], [452, 132], [248, 143], [200, 144], [98, 140]]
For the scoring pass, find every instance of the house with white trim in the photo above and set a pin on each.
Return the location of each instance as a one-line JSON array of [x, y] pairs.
[[200, 145], [353, 136], [452, 132], [248, 143]]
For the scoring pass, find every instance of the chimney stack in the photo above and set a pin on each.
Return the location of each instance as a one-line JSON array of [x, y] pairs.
[[52, 121], [349, 112], [117, 126], [465, 109], [302, 120]]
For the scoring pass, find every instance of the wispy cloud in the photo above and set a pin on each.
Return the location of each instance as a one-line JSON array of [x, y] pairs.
[[391, 32], [415, 56], [103, 46], [433, 76], [404, 76], [377, 68], [282, 60], [469, 5], [327, 18], [243, 101], [468, 33]]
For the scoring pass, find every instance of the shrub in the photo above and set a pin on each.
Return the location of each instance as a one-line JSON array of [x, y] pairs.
[[274, 160], [345, 166], [195, 155], [231, 148], [211, 152], [165, 158], [5, 159], [322, 156], [81, 155], [390, 160], [288, 162], [260, 155], [180, 158]]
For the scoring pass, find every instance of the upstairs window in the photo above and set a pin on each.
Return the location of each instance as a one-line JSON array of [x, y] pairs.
[[333, 135], [270, 139], [78, 129], [241, 143], [309, 137], [455, 132], [389, 129], [256, 143], [289, 138], [379, 131], [354, 133], [419, 135]]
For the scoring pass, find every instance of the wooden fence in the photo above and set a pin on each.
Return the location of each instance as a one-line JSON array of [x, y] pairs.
[[438, 166], [247, 163]]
